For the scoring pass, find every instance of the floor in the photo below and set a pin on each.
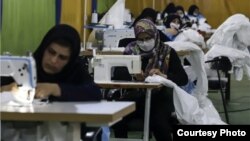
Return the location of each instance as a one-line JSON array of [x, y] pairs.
[[238, 106]]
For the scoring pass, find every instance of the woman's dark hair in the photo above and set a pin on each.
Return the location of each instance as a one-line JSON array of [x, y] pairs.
[[179, 7], [170, 9], [170, 18], [64, 43], [191, 9], [147, 13]]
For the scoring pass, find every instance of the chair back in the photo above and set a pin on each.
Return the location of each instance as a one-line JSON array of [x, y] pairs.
[[221, 63]]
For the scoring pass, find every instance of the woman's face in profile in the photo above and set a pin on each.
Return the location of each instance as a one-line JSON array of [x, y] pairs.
[[55, 58]]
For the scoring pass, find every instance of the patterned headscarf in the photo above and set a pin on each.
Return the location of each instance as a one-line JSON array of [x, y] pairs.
[[146, 26], [143, 26], [155, 58]]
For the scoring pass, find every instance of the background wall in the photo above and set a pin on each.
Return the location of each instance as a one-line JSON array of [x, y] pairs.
[[216, 11], [104, 5], [25, 22]]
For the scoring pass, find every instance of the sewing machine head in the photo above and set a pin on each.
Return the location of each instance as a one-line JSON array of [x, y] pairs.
[[23, 70], [103, 65], [111, 37]]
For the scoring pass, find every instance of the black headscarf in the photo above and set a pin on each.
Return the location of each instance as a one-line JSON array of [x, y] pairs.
[[180, 8], [170, 18], [192, 9], [170, 9], [58, 32], [147, 13]]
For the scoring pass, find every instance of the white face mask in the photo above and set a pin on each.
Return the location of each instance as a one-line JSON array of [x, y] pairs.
[[195, 14], [146, 45], [181, 15], [174, 25]]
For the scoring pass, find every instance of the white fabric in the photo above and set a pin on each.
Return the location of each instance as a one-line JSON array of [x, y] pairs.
[[236, 27], [203, 26], [190, 73], [187, 108], [115, 15], [234, 33], [240, 59], [196, 59], [191, 36]]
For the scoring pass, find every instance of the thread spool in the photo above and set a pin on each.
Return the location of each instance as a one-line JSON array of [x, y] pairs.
[[108, 19], [94, 18]]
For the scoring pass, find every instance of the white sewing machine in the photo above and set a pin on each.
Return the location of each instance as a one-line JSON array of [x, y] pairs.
[[23, 70], [111, 37], [103, 65]]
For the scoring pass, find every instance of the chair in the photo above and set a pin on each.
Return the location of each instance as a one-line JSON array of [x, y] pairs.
[[124, 42], [222, 65]]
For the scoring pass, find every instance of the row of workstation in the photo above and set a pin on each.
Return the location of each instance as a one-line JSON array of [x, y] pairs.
[[92, 113], [98, 113]]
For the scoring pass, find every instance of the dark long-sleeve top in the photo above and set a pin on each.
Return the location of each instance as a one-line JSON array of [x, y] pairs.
[[77, 85], [176, 73], [162, 57]]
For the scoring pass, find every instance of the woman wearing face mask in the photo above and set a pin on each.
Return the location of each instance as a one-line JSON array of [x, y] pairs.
[[172, 24], [194, 13], [157, 58], [184, 18]]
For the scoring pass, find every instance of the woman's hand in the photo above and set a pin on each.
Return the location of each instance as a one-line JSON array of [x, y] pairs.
[[157, 72], [10, 87], [140, 76], [44, 90], [172, 31]]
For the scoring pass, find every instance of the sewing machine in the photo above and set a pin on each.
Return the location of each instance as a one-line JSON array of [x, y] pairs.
[[103, 65], [23, 70], [111, 37]]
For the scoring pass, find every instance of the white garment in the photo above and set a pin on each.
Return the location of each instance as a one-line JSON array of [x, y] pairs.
[[234, 33], [191, 36], [237, 25], [196, 59], [204, 26], [187, 107], [240, 59]]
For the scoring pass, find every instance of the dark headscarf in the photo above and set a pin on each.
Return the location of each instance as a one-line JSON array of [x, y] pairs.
[[58, 32], [170, 18], [147, 13], [170, 9], [180, 8], [192, 9]]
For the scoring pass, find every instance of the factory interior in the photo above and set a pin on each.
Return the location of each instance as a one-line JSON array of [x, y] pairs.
[[124, 70]]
